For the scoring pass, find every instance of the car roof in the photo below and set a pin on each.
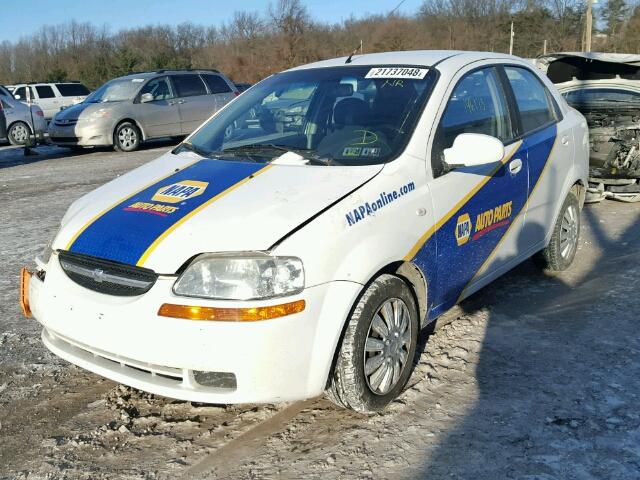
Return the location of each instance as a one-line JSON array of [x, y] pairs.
[[155, 73], [428, 58]]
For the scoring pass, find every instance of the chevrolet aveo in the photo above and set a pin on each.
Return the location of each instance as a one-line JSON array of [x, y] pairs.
[[300, 238]]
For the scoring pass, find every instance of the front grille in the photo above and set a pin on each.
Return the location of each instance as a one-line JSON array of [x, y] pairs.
[[64, 139], [107, 277], [65, 123]]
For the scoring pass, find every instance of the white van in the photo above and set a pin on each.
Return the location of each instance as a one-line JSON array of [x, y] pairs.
[[298, 240]]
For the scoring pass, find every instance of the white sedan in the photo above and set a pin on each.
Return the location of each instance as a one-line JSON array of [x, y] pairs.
[[299, 239]]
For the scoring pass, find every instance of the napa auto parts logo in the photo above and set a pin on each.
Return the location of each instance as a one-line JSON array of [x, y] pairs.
[[180, 191], [486, 222]]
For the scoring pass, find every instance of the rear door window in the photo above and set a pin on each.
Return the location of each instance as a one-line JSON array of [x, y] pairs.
[[216, 84], [188, 85], [72, 89], [45, 91], [532, 98]]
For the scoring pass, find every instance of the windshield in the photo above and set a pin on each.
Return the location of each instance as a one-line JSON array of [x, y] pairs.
[[331, 116], [116, 91]]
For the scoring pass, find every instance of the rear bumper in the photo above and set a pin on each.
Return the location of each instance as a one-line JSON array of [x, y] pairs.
[[124, 339]]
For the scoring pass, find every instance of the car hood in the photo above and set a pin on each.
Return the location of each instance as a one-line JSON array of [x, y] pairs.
[[73, 112], [165, 212]]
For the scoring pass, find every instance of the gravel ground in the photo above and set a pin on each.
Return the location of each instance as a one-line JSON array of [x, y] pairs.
[[534, 377]]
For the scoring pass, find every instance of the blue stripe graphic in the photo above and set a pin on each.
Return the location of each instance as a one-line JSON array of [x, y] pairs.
[[124, 232], [449, 267]]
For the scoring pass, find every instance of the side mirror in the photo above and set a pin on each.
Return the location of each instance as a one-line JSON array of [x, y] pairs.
[[146, 98], [472, 150], [17, 97]]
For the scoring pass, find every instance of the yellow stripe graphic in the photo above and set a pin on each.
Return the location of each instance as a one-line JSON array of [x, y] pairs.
[[524, 208], [164, 235], [423, 239], [112, 206]]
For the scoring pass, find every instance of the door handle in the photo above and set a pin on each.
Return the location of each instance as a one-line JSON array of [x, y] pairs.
[[515, 166], [565, 140]]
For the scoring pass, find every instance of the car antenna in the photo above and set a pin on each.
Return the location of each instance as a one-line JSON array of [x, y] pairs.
[[359, 47]]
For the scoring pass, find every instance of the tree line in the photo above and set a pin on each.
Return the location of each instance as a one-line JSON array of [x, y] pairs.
[[251, 46]]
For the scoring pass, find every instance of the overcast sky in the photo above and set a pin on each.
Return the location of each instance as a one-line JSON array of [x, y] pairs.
[[23, 17]]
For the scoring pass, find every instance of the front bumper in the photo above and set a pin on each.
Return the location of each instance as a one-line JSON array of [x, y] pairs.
[[83, 135], [123, 338]]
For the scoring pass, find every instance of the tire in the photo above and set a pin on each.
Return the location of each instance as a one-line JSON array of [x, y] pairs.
[[18, 133], [349, 385], [126, 138], [558, 255]]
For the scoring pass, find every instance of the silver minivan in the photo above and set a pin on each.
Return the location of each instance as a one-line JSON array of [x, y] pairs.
[[129, 110]]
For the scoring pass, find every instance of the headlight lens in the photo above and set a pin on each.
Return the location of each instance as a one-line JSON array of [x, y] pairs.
[[245, 277]]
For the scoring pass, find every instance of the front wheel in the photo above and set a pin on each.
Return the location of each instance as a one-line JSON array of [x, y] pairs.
[[18, 133], [376, 355], [558, 255], [126, 137]]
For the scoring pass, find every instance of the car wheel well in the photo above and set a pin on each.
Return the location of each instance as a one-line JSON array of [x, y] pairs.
[[415, 280], [129, 120], [19, 121], [580, 191]]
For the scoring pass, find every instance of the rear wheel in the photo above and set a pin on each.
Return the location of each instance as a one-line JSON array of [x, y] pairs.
[[126, 137], [375, 357], [18, 133], [559, 254]]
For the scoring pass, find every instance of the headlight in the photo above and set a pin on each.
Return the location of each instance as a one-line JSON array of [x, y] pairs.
[[241, 277], [96, 115], [48, 250]]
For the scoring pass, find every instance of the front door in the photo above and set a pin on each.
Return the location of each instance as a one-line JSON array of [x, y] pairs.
[[475, 207], [160, 116]]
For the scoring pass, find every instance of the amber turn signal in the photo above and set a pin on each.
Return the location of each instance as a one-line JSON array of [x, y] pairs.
[[25, 278], [252, 314]]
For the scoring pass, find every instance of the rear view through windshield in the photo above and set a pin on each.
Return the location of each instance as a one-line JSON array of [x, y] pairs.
[[333, 116]]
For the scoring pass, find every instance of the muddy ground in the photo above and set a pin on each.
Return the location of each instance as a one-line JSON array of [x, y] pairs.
[[535, 377]]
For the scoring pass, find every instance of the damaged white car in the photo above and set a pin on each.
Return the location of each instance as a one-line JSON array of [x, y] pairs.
[[605, 88]]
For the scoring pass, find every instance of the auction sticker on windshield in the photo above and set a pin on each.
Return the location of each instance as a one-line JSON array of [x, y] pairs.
[[397, 72]]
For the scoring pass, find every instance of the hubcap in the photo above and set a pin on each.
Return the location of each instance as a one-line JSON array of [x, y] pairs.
[[386, 350], [20, 133], [127, 137], [569, 232]]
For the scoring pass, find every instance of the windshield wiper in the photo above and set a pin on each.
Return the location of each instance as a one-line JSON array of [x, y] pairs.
[[192, 148]]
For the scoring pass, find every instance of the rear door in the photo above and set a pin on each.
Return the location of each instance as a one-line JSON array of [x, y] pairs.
[[194, 101], [160, 116], [220, 89], [47, 100], [548, 148]]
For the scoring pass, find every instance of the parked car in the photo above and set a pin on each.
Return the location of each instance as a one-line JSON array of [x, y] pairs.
[[605, 88], [19, 119], [129, 110], [3, 124], [242, 86], [51, 97], [268, 266]]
